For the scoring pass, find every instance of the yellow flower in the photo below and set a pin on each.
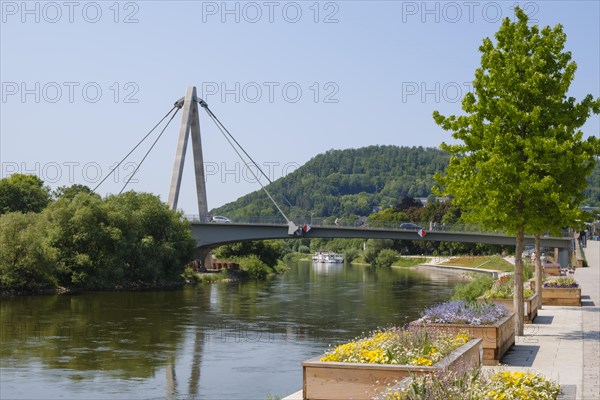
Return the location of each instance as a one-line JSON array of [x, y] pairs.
[[421, 361]]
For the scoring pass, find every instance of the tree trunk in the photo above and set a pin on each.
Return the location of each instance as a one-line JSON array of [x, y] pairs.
[[518, 287], [539, 274]]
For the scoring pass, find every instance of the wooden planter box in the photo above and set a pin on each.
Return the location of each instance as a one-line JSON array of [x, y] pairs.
[[343, 381], [561, 296], [531, 306], [497, 338]]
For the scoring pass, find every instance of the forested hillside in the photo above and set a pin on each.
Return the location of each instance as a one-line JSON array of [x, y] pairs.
[[592, 193], [343, 183], [347, 182]]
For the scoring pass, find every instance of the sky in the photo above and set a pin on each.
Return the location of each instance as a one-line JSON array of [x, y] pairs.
[[83, 82]]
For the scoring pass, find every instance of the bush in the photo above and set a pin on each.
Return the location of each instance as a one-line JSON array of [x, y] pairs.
[[374, 246], [189, 275], [476, 287], [351, 254], [386, 258], [503, 289], [303, 249], [254, 267], [26, 262]]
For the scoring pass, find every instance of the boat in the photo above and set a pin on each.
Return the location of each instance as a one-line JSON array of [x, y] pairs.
[[327, 257]]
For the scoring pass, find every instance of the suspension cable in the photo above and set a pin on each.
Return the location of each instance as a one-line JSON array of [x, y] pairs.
[[149, 150], [176, 106], [216, 120], [222, 129]]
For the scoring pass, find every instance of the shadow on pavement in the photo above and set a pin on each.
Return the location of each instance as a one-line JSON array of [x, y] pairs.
[[521, 355], [586, 301], [544, 319], [579, 335], [568, 392]]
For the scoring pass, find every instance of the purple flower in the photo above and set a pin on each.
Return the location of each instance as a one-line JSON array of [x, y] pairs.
[[462, 312]]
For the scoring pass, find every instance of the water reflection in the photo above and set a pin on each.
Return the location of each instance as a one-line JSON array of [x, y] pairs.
[[327, 268], [236, 340]]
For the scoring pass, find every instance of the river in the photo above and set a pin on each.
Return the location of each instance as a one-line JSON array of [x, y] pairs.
[[241, 340]]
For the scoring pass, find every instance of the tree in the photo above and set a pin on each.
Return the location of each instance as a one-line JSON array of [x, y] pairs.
[[26, 261], [71, 191], [86, 242], [24, 193], [520, 139], [156, 241]]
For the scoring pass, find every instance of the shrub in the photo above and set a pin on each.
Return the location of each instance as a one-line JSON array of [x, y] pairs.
[[254, 266], [386, 258], [189, 275], [503, 289], [351, 254], [303, 249], [473, 289]]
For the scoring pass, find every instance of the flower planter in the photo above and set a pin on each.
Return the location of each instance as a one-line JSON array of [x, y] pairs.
[[531, 306], [497, 338], [342, 381], [561, 296]]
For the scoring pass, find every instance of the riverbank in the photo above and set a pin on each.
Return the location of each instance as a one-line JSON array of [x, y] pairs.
[[438, 263], [133, 287]]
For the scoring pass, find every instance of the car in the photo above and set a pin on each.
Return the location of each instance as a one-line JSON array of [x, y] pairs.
[[410, 227], [220, 220]]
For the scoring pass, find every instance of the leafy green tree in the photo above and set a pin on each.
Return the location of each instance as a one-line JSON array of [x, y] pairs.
[[374, 246], [518, 120], [267, 251], [386, 258], [387, 215], [71, 191], [86, 242], [155, 241], [24, 193], [26, 261]]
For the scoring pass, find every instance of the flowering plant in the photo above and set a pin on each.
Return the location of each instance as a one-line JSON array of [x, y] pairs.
[[411, 346], [506, 385], [503, 289], [462, 312], [561, 282]]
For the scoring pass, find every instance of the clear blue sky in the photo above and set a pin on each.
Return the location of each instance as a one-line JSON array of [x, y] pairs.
[[369, 72]]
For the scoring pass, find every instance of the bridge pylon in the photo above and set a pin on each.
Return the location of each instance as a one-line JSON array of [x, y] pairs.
[[190, 126]]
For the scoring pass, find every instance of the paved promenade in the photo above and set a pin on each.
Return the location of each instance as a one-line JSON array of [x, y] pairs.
[[564, 342]]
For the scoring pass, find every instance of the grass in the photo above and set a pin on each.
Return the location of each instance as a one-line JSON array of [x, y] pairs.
[[483, 262], [359, 260], [409, 261]]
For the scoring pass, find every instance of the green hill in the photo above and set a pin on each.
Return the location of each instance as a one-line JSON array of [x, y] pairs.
[[347, 182]]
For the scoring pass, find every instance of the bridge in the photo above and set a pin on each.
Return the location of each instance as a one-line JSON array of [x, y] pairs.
[[210, 235]]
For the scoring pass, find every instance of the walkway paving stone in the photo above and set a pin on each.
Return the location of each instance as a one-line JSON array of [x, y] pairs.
[[563, 343]]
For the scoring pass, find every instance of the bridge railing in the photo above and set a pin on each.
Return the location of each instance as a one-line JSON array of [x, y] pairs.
[[355, 223], [333, 222]]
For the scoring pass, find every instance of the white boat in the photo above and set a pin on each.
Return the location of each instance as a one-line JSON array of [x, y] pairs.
[[327, 257]]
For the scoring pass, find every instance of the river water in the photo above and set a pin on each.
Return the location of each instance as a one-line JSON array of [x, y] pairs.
[[213, 341]]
